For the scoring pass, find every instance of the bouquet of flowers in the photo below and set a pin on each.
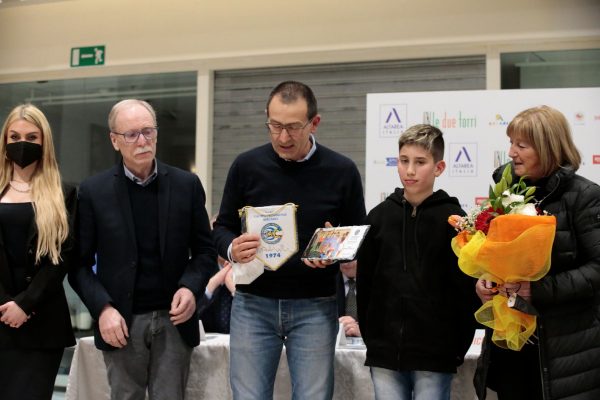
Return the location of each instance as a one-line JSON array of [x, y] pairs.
[[505, 240]]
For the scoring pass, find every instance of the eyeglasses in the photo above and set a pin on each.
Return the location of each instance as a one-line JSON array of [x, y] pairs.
[[149, 133], [292, 129]]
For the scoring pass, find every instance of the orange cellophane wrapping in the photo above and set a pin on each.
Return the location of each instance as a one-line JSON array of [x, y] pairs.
[[516, 248]]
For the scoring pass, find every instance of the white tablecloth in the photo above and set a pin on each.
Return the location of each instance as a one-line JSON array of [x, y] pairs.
[[209, 374]]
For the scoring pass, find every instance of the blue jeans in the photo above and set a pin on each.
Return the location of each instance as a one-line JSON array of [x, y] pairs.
[[411, 385], [260, 326]]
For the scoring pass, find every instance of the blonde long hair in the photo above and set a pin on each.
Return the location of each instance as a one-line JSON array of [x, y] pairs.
[[46, 189]]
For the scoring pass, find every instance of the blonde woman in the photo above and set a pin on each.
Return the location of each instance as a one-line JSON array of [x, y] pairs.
[[35, 244]]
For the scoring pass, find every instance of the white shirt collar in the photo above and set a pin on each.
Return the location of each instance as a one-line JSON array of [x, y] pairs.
[[312, 150]]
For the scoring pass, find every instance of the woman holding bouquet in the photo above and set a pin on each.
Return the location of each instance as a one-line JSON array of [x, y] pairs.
[[564, 360], [35, 251]]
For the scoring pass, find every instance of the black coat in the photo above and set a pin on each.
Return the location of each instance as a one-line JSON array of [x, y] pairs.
[[44, 296], [568, 297], [106, 230], [415, 306]]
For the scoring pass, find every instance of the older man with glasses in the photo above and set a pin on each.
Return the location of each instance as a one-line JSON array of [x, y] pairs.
[[146, 223], [295, 305]]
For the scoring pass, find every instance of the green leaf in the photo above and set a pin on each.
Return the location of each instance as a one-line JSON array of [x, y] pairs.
[[530, 191], [507, 174], [498, 189], [504, 185], [497, 203]]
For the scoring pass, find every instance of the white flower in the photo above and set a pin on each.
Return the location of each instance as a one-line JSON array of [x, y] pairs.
[[509, 198], [524, 209]]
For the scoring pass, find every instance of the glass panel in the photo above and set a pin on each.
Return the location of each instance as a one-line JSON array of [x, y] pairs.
[[550, 69], [78, 111]]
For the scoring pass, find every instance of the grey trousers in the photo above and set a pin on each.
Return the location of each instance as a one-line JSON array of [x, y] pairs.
[[155, 358]]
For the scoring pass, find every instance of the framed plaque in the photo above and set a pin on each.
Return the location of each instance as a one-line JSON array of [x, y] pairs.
[[338, 244]]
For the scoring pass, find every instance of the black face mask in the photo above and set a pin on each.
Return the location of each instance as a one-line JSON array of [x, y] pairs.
[[23, 153]]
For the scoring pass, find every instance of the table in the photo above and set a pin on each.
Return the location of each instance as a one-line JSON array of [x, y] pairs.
[[209, 373]]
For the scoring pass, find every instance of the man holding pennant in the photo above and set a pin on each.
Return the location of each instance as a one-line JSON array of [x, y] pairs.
[[291, 302]]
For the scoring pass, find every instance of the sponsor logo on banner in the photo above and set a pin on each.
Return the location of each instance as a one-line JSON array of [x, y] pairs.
[[391, 161], [388, 162], [392, 120], [500, 158], [596, 158], [498, 121], [579, 118], [463, 159], [448, 120]]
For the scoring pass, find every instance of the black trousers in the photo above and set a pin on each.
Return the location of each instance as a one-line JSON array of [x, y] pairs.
[[27, 374], [515, 375]]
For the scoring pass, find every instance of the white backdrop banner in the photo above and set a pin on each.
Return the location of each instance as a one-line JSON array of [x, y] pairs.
[[474, 126]]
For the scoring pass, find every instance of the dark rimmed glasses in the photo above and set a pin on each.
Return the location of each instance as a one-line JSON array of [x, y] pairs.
[[149, 133]]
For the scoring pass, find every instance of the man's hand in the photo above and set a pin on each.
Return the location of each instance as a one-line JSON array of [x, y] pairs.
[[113, 327], [350, 326], [319, 263], [12, 314], [244, 247], [182, 306]]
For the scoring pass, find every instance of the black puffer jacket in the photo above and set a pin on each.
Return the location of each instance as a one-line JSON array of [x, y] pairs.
[[568, 298], [415, 306]]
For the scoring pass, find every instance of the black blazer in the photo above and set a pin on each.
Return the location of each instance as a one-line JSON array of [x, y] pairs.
[[44, 296], [106, 232]]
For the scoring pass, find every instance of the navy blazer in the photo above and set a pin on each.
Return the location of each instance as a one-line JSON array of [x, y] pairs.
[[107, 239], [44, 296]]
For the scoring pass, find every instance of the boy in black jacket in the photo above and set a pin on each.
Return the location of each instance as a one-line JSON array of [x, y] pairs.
[[415, 306]]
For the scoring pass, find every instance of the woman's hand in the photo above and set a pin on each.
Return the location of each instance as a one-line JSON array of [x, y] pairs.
[[12, 314], [522, 288], [486, 290]]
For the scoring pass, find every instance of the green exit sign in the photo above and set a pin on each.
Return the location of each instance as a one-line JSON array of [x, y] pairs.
[[87, 56]]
